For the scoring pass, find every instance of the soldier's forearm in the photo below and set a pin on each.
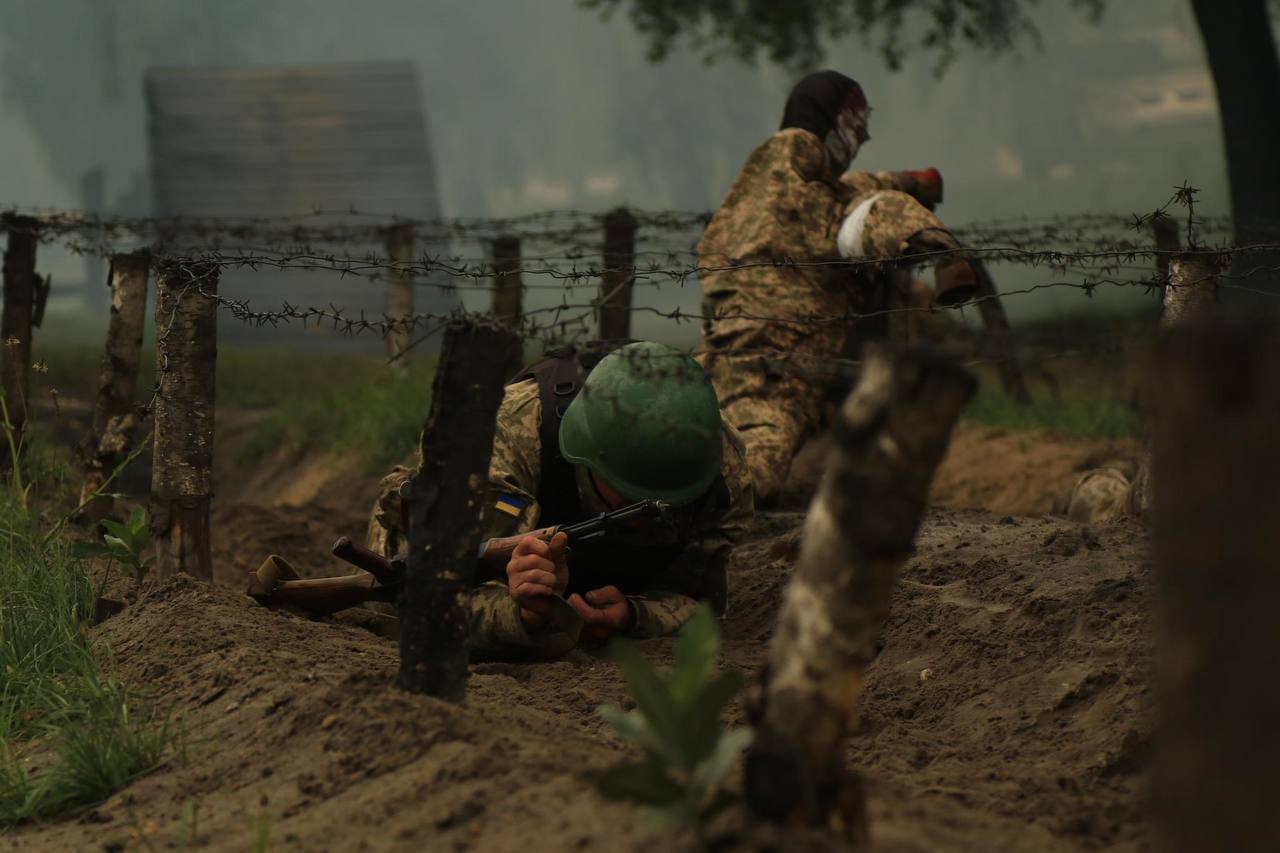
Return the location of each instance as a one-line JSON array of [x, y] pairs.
[[658, 614]]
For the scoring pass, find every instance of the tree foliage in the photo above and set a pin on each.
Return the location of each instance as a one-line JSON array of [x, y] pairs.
[[792, 33]]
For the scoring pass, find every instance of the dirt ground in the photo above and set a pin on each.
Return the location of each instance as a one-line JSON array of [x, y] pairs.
[[1008, 711]]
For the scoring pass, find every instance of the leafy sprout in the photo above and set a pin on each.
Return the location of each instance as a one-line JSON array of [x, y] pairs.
[[677, 725]]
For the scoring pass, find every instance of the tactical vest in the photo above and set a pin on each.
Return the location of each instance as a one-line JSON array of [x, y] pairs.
[[594, 564]]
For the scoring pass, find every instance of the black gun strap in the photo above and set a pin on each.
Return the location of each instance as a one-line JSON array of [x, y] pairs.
[[559, 374]]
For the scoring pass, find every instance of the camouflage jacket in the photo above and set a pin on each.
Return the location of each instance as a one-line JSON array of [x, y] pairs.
[[786, 204], [661, 604]]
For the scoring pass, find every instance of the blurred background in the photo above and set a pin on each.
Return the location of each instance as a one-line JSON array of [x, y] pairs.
[[486, 109]]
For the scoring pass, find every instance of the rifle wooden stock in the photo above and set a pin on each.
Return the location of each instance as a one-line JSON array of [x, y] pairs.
[[362, 558], [323, 596]]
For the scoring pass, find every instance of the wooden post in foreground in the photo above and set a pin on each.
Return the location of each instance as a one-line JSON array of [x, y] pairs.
[[400, 293], [619, 275], [20, 285], [890, 434], [508, 289], [1216, 550], [1190, 299], [115, 419], [443, 500], [182, 471]]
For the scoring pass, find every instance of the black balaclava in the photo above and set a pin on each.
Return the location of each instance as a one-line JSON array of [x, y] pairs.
[[817, 103]]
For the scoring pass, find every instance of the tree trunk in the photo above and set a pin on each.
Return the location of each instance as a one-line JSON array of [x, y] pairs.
[[889, 437], [443, 500], [619, 275], [182, 470], [20, 286], [400, 294], [115, 419], [1242, 56], [1216, 547]]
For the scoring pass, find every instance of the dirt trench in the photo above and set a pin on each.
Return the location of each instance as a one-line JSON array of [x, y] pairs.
[[1009, 709]]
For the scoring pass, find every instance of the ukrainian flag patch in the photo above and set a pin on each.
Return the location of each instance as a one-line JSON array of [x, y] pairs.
[[510, 504]]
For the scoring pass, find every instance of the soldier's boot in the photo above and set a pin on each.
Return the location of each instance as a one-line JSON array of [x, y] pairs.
[[1099, 496]]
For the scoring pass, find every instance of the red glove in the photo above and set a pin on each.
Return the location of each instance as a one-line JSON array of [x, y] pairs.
[[928, 186], [605, 611]]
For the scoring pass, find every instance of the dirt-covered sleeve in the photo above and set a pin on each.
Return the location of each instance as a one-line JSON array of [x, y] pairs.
[[700, 573], [497, 631]]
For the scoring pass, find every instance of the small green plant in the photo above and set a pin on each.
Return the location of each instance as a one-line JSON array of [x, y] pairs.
[[123, 543], [677, 723]]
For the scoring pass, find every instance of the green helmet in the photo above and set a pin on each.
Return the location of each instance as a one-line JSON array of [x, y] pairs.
[[647, 422]]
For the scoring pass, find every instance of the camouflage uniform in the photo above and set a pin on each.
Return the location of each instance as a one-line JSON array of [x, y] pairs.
[[770, 367], [662, 600]]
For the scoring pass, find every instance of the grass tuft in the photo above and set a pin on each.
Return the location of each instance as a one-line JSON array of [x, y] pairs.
[[69, 733]]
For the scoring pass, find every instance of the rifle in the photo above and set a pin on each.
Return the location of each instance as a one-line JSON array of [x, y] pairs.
[[277, 584]]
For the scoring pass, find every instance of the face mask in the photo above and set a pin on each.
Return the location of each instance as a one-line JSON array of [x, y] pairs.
[[845, 140]]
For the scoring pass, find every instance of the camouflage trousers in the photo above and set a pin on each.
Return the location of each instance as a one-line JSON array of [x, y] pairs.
[[774, 379]]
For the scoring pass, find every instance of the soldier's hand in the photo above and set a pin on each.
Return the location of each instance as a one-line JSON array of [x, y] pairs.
[[605, 611], [537, 569]]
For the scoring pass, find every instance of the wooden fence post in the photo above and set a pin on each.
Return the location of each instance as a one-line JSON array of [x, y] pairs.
[[20, 286], [400, 293], [115, 418], [508, 288], [443, 500], [619, 274], [1168, 241], [1192, 291], [891, 432], [1190, 298], [1216, 548], [182, 472]]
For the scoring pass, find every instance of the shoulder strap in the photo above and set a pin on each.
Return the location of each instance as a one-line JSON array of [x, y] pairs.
[[559, 374]]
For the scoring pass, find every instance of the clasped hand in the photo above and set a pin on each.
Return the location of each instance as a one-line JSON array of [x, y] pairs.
[[539, 569]]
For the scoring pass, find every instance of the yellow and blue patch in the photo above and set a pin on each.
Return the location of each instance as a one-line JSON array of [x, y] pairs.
[[510, 504]]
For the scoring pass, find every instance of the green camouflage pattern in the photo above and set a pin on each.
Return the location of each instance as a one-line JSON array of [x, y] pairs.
[[769, 363], [699, 573]]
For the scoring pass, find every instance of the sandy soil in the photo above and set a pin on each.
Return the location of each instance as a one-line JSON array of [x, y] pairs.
[[1008, 711]]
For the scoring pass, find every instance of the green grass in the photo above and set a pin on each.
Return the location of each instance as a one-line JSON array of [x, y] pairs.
[[340, 404], [70, 732], [311, 401], [1102, 413]]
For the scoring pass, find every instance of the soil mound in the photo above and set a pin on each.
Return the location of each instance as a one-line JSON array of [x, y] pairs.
[[1008, 710]]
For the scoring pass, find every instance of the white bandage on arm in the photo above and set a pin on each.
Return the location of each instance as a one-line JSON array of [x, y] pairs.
[[849, 238]]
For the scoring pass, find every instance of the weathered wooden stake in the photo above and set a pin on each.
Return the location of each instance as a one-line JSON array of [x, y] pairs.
[[508, 288], [1216, 550], [1168, 241], [1190, 299], [20, 286], [890, 435], [443, 500], [1192, 291], [619, 264], [400, 293], [182, 472], [115, 418], [999, 336]]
